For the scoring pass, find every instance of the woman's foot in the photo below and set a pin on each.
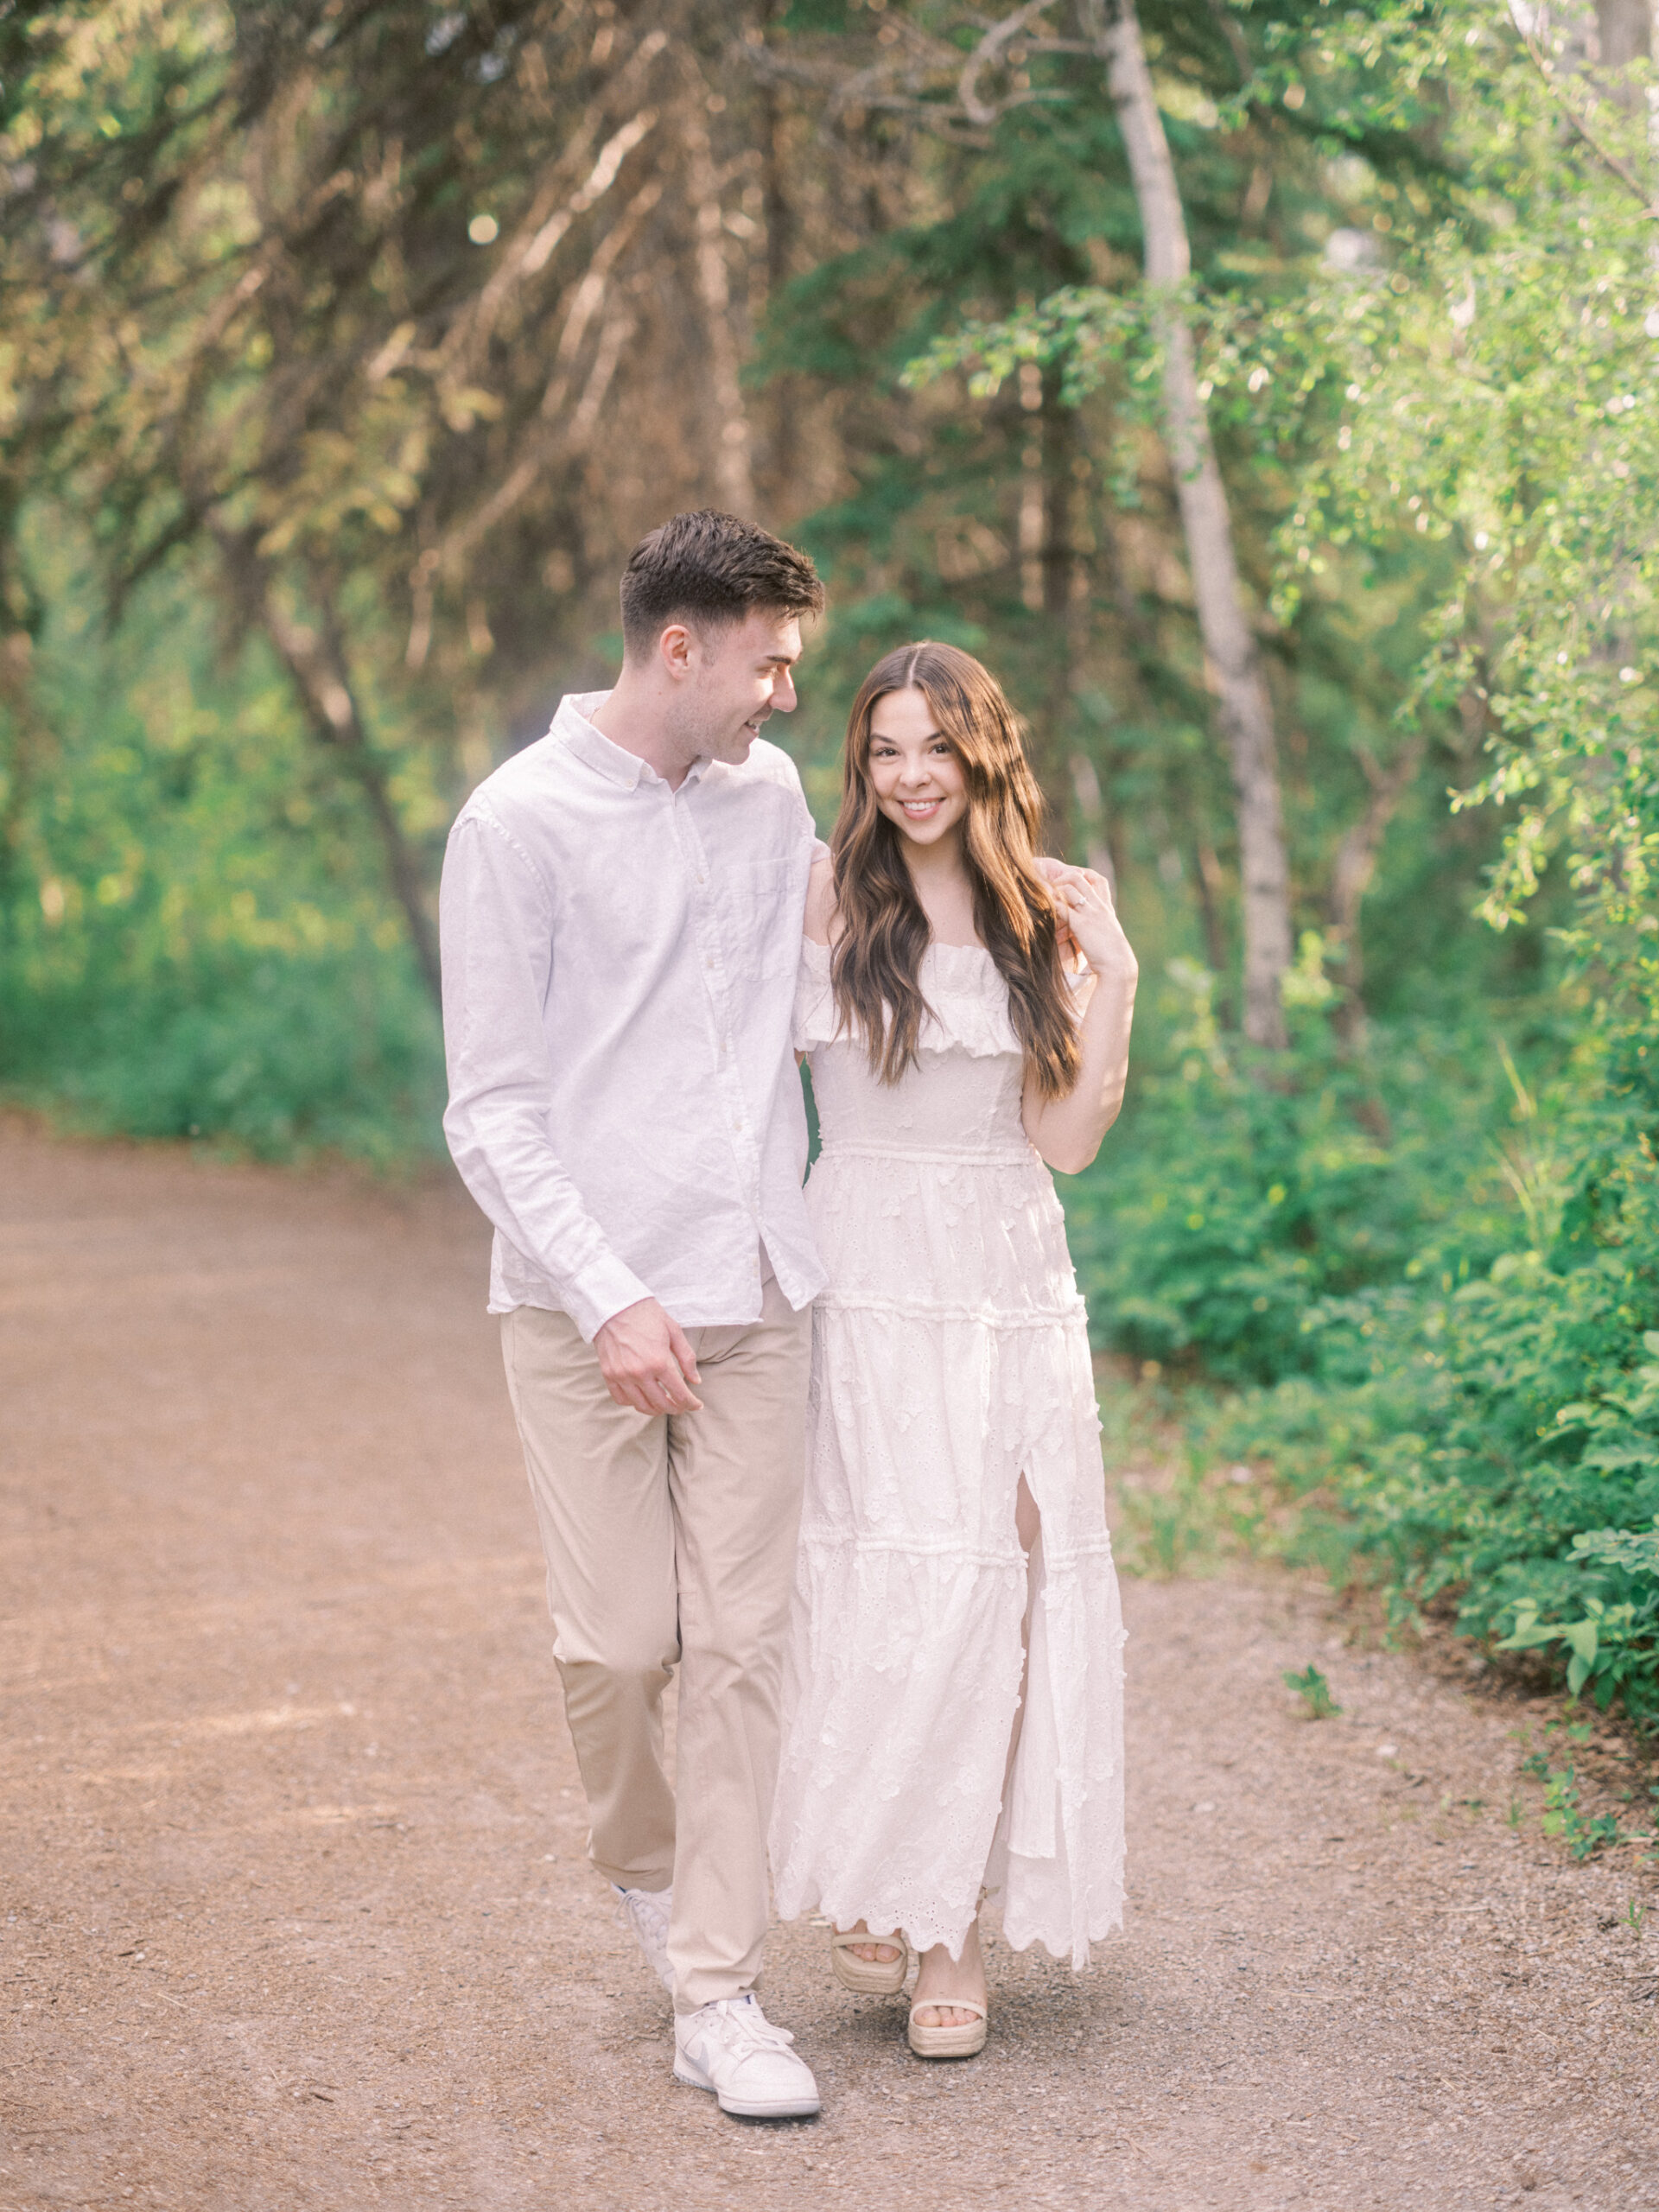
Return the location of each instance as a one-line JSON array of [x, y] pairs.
[[876, 1953], [876, 1967], [942, 1978]]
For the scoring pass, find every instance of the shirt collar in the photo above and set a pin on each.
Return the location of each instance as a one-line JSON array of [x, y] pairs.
[[591, 746], [573, 725]]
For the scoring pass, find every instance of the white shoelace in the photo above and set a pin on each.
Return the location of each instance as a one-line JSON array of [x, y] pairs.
[[645, 1910], [753, 2026]]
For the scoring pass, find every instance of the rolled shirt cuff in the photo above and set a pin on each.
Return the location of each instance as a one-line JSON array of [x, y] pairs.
[[603, 1290]]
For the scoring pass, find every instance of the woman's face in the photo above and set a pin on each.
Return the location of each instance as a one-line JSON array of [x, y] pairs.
[[914, 771]]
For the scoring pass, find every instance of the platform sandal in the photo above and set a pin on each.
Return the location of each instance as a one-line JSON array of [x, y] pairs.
[[962, 2041], [868, 1977]]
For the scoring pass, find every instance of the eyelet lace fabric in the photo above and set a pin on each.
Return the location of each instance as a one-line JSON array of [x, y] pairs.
[[949, 1356]]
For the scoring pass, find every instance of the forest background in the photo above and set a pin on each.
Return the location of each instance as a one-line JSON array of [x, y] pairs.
[[1267, 392]]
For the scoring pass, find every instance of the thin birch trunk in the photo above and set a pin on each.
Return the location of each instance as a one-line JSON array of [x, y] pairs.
[[1623, 34], [1091, 814], [1244, 713]]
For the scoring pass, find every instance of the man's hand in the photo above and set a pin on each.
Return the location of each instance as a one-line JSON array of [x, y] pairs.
[[647, 1361]]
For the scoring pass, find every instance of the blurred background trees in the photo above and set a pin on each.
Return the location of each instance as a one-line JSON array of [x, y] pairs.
[[1267, 393]]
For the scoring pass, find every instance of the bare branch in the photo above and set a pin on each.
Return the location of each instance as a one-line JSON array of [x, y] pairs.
[[545, 222], [987, 54], [554, 436], [1611, 161], [317, 665]]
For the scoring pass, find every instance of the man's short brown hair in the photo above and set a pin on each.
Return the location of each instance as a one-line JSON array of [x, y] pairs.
[[709, 570]]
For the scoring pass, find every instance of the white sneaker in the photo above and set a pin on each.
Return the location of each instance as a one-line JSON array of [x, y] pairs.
[[647, 1913], [732, 2048]]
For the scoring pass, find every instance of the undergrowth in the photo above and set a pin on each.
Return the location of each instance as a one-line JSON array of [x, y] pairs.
[[1472, 1428]]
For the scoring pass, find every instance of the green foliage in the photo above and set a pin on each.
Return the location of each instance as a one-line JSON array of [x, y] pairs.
[[1177, 1523], [1226, 1212], [279, 1056], [1479, 1408], [1564, 1815], [1313, 1690], [246, 308], [188, 944], [1582, 1834], [1497, 1440]]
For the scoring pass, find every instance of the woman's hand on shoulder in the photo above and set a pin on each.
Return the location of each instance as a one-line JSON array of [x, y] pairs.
[[1089, 915], [821, 905]]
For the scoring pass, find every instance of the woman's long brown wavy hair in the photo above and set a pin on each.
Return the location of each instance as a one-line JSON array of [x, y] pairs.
[[884, 932]]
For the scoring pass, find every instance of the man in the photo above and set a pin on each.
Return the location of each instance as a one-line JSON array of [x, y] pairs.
[[621, 926]]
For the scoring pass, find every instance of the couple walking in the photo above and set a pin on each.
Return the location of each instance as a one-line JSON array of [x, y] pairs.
[[832, 1452]]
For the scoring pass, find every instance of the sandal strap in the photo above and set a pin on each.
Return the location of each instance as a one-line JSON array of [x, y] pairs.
[[950, 2005], [840, 1941]]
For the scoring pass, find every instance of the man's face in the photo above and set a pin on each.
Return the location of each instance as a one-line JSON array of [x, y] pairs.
[[737, 676]]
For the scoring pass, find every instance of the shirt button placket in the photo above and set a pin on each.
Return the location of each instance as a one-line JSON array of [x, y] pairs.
[[719, 1011]]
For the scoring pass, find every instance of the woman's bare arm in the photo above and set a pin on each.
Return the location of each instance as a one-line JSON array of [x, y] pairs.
[[1067, 1131], [821, 902]]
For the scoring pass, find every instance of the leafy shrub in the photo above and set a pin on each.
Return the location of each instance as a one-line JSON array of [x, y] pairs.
[[278, 1054], [1498, 1441], [1225, 1210], [196, 938]]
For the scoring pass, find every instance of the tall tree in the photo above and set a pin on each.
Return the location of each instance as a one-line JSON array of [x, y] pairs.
[[402, 325], [974, 83], [1245, 713]]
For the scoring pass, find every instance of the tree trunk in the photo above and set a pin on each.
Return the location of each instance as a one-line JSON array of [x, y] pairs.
[[779, 215], [30, 747], [1206, 877], [1353, 868], [1244, 713], [1623, 34], [734, 473], [1091, 815], [318, 667], [1052, 584]]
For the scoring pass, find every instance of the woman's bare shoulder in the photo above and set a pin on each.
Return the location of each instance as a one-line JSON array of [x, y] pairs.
[[821, 905]]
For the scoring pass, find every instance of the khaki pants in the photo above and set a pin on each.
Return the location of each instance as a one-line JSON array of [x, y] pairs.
[[673, 1540]]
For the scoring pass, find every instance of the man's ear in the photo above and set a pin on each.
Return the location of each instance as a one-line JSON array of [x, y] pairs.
[[676, 648]]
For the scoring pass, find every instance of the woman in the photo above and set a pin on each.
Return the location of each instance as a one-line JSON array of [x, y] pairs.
[[954, 1698]]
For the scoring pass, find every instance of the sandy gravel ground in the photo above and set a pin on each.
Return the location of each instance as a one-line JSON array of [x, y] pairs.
[[295, 1908]]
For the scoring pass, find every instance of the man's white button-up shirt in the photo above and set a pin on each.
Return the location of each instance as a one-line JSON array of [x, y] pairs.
[[618, 970]]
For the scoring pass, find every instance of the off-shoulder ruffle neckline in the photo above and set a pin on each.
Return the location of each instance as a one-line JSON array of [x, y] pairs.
[[934, 949], [967, 998]]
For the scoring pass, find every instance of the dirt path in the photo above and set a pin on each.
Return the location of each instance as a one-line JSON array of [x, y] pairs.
[[296, 1910]]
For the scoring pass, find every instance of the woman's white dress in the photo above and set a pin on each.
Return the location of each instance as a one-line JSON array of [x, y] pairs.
[[949, 1357]]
